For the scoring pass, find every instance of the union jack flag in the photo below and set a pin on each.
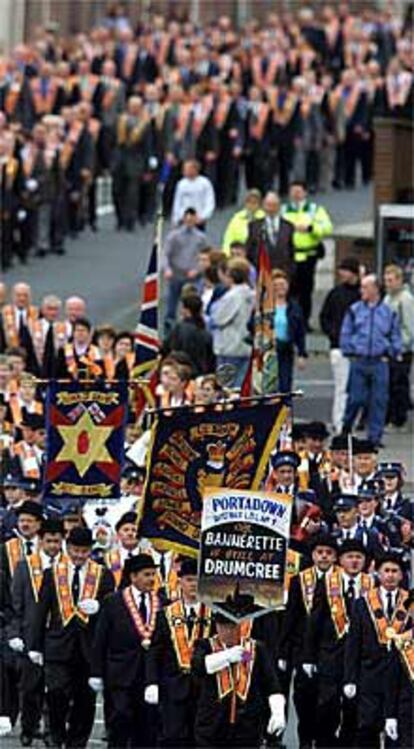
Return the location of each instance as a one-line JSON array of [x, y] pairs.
[[147, 341]]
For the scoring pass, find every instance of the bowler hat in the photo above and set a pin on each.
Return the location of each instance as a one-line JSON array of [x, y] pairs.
[[351, 544], [30, 508], [188, 567], [138, 563]]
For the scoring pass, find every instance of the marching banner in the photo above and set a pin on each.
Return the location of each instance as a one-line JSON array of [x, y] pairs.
[[243, 548], [85, 439], [224, 446]]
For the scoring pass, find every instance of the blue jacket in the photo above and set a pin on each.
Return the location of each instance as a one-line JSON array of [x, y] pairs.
[[370, 331]]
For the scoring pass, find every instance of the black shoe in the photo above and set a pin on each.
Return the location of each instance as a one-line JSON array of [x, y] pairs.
[[26, 739], [94, 228], [40, 252], [59, 251]]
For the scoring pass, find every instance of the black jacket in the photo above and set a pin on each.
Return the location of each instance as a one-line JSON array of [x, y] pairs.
[[196, 342], [212, 726], [61, 643], [334, 309], [280, 253], [117, 654]]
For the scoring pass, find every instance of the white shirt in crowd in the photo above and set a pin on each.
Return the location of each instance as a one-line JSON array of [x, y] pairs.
[[197, 193]]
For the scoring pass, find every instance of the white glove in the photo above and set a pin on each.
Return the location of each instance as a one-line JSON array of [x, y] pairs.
[[235, 654], [32, 184], [5, 725], [391, 729], [350, 691], [21, 215], [282, 665], [277, 722], [88, 606], [16, 644], [309, 669], [217, 661], [35, 657], [151, 694], [95, 683], [153, 162]]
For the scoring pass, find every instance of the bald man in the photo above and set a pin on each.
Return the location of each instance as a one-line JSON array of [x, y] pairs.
[[276, 233]]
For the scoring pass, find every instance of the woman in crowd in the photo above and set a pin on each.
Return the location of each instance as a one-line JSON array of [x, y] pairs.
[[289, 328], [191, 336]]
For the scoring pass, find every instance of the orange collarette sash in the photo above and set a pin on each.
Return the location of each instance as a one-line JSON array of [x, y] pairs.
[[114, 564], [34, 566], [238, 677], [145, 630], [308, 580], [336, 600], [14, 551], [182, 643], [386, 630], [405, 646], [64, 593]]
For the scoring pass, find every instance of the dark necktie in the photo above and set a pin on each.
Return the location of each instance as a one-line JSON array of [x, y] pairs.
[[350, 596], [24, 336], [191, 621], [389, 504], [49, 352], [364, 525], [76, 586], [390, 607], [163, 569], [29, 547], [143, 608]]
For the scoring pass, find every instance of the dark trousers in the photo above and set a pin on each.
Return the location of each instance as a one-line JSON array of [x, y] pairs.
[[284, 161], [71, 703], [32, 696], [305, 698], [303, 282], [131, 722], [357, 150], [177, 720], [285, 361], [399, 402], [368, 384]]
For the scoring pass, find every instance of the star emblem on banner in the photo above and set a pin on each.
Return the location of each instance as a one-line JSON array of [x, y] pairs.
[[84, 444]]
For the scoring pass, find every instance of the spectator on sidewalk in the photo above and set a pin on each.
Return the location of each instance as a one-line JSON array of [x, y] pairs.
[[191, 336], [275, 232], [230, 316], [312, 225], [401, 300], [181, 259], [290, 332], [331, 318], [193, 191], [370, 337], [237, 229]]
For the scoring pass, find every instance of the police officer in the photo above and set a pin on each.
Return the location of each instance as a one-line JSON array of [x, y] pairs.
[[312, 225]]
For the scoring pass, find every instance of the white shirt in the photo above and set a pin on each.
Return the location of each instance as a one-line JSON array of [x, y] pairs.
[[357, 580], [82, 575], [33, 541], [390, 500], [138, 595], [369, 521], [349, 532], [195, 193], [384, 597], [46, 560], [126, 553], [20, 314]]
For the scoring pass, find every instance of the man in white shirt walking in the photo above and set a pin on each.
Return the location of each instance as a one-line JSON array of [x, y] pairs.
[[193, 191]]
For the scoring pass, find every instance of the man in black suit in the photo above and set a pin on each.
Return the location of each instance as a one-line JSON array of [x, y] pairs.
[[69, 601], [238, 686], [291, 648], [369, 650], [325, 639], [275, 232], [180, 625], [122, 659], [25, 595]]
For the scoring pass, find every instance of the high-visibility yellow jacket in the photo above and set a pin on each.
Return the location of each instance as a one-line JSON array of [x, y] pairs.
[[237, 229], [320, 227]]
